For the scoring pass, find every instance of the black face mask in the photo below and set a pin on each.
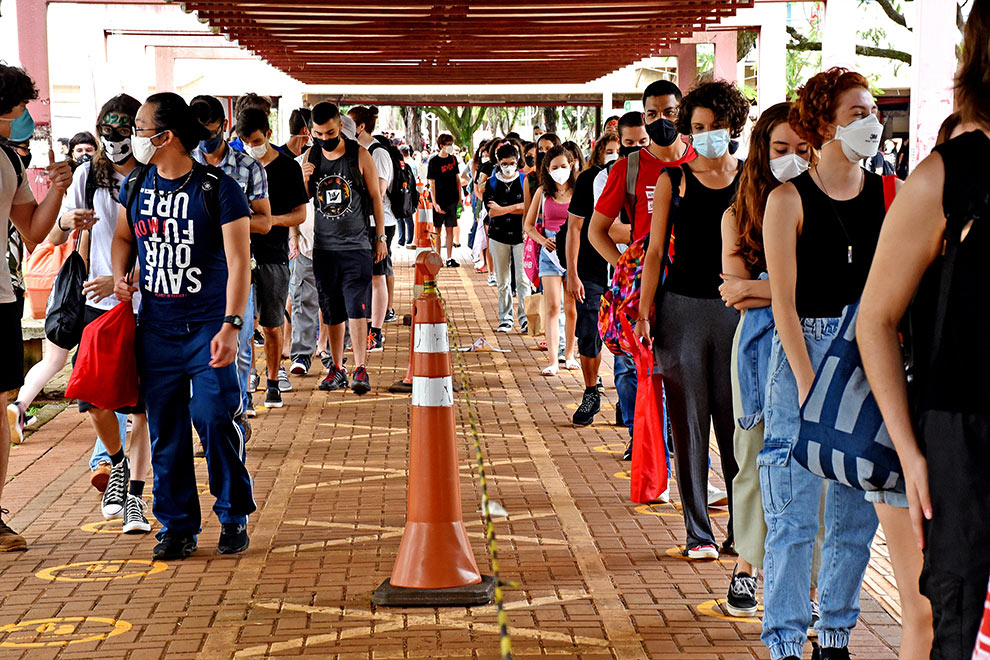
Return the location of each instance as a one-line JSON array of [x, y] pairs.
[[662, 131], [733, 146], [328, 144], [83, 158], [530, 161], [625, 151], [26, 160]]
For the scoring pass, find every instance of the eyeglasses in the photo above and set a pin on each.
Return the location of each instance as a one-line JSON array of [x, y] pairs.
[[153, 128], [109, 130]]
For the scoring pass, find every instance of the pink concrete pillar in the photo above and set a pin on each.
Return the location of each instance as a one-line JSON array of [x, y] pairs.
[[32, 42], [725, 55], [687, 64], [931, 74], [164, 69]]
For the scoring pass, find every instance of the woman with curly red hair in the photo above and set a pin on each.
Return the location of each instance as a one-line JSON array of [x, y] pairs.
[[820, 232], [694, 328]]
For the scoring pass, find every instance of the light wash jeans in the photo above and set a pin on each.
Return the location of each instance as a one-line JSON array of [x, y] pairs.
[[791, 503], [100, 452], [505, 257], [243, 361]]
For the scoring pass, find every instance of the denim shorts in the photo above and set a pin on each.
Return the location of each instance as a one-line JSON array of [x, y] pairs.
[[550, 265]]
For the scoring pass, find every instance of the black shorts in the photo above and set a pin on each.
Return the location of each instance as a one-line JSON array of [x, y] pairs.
[[957, 608], [343, 282], [90, 314], [589, 341], [446, 216], [383, 267], [271, 287], [12, 343]]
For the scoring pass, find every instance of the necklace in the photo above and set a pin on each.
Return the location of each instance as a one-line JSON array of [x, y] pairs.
[[835, 211], [169, 193]]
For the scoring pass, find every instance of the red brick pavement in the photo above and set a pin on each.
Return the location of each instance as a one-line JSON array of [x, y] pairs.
[[595, 577]]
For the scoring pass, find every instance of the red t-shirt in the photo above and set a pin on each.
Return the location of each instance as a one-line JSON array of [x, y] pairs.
[[613, 198]]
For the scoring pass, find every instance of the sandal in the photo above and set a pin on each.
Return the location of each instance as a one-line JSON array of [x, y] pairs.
[[550, 371], [481, 270], [542, 346], [572, 364]]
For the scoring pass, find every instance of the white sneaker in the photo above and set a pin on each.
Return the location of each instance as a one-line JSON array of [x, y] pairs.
[[298, 368], [115, 496], [15, 418], [135, 521], [504, 327], [492, 281], [716, 496], [703, 552], [664, 497]]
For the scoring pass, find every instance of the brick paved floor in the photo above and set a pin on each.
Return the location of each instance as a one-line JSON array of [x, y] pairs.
[[597, 577]]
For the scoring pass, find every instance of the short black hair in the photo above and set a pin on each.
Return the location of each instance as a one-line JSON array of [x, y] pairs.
[[84, 137], [445, 138], [512, 135], [723, 98], [16, 87], [251, 120], [661, 88], [207, 109], [506, 150], [630, 120], [252, 100], [323, 112], [299, 119], [173, 114], [610, 119]]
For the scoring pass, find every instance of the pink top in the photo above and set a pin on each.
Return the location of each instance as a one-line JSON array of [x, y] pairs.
[[554, 215]]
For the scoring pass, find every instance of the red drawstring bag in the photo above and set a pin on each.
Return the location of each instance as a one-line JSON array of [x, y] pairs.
[[105, 374], [648, 479], [982, 650]]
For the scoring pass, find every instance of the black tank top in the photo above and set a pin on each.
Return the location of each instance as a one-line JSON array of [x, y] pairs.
[[827, 279], [697, 237]]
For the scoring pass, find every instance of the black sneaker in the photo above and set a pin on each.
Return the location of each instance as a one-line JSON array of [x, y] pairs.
[[361, 384], [815, 616], [284, 384], [326, 359], [452, 264], [273, 398], [523, 327], [600, 386], [376, 344], [254, 381], [259, 339], [504, 326], [627, 454], [618, 414], [300, 366], [335, 380], [135, 522], [174, 546], [115, 496], [835, 653], [590, 406], [390, 316], [233, 539], [741, 599]]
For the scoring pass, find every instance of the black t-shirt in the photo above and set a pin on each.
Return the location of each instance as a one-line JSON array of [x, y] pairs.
[[285, 192], [591, 266], [486, 169], [505, 228], [447, 175]]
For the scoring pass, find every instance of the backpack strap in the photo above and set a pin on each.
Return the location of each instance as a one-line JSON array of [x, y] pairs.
[[211, 190], [132, 188], [889, 190], [15, 160], [632, 176], [90, 187]]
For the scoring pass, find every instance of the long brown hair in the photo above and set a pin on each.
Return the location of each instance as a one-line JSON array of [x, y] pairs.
[[972, 85], [102, 166], [549, 185], [598, 153], [755, 184]]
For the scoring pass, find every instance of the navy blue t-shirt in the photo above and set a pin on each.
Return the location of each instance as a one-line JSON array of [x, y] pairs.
[[180, 249]]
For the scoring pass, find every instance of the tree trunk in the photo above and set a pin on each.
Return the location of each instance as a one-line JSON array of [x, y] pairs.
[[550, 118], [413, 116]]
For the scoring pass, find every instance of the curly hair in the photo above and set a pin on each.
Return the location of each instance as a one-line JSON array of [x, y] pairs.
[[598, 153], [16, 87], [724, 99], [972, 83], [546, 181], [575, 150], [816, 102]]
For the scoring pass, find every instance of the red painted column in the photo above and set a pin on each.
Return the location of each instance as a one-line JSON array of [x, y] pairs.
[[687, 65], [32, 44]]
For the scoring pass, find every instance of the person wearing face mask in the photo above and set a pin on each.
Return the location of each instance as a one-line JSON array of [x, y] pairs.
[[820, 233], [587, 276], [693, 328], [288, 199], [33, 221], [776, 155], [444, 175], [250, 175], [551, 200], [529, 158], [503, 201], [299, 138], [544, 143], [82, 147], [187, 338]]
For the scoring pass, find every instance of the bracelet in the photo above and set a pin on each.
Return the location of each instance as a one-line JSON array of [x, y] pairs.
[[644, 320], [58, 223]]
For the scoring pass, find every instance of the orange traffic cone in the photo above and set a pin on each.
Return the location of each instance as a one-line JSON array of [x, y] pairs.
[[423, 246], [435, 565]]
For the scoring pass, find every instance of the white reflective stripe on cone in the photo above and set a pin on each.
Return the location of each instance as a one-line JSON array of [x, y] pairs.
[[421, 250], [431, 338], [432, 392]]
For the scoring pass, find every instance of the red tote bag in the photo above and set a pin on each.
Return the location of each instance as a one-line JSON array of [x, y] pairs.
[[106, 366], [648, 479], [982, 650]]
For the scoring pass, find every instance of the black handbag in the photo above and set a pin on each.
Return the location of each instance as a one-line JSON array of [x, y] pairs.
[[64, 315]]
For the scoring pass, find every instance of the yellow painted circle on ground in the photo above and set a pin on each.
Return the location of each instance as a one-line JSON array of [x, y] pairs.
[[625, 474], [713, 608], [102, 571], [651, 510], [60, 631], [611, 448]]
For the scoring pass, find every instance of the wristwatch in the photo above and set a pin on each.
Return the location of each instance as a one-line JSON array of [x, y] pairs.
[[234, 320], [381, 238]]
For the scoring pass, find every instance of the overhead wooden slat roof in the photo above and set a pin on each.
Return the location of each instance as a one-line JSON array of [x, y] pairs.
[[458, 41]]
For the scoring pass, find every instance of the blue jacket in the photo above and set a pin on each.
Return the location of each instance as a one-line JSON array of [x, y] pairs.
[[753, 362]]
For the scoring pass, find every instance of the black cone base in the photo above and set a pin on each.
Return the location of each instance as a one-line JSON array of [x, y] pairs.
[[473, 594], [399, 387]]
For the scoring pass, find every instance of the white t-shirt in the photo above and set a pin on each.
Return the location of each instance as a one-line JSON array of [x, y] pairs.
[[384, 164], [106, 207], [599, 184], [306, 228], [10, 195]]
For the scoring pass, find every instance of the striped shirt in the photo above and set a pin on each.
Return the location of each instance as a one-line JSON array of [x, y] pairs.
[[246, 171]]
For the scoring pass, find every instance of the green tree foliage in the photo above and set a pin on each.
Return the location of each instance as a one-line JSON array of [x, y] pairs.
[[461, 121]]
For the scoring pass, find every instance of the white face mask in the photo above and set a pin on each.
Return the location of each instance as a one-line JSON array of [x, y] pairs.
[[860, 139], [144, 150], [611, 158], [257, 152], [117, 151], [508, 171], [787, 167], [561, 175]]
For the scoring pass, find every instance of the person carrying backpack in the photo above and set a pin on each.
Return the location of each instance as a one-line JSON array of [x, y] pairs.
[[933, 248], [503, 200]]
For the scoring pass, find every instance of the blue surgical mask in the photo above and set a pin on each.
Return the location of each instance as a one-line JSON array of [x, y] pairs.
[[212, 144], [22, 128], [711, 144]]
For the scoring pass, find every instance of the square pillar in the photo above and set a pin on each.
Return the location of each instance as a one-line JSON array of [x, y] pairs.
[[771, 62], [931, 75], [32, 43], [839, 34], [726, 62], [687, 65]]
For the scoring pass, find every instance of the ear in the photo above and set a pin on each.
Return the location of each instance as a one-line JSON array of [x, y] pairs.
[[828, 132]]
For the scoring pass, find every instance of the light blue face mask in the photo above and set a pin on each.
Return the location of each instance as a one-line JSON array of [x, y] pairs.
[[711, 144], [22, 128]]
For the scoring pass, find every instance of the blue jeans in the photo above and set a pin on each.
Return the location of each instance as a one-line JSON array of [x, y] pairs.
[[243, 361], [407, 231], [100, 452], [624, 373], [171, 357], [791, 499]]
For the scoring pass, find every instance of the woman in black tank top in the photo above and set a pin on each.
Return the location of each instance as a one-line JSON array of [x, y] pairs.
[[820, 234], [694, 329], [943, 437]]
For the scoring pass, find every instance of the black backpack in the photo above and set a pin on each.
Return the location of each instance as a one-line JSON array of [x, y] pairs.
[[15, 160], [403, 193], [351, 151]]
